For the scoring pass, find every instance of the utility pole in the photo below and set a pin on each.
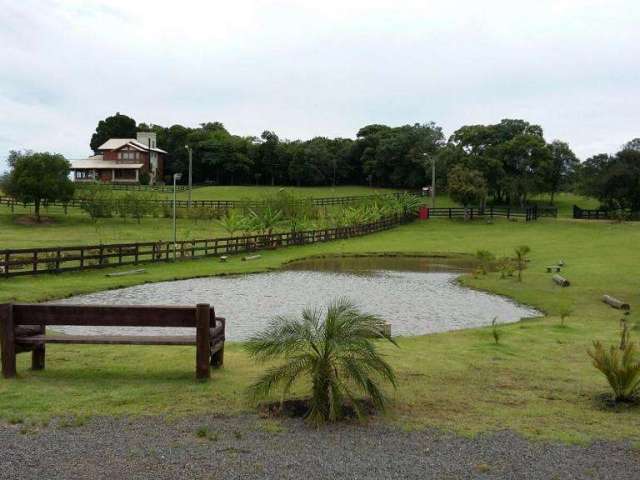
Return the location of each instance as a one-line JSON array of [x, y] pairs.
[[433, 177], [176, 177], [433, 182], [190, 173]]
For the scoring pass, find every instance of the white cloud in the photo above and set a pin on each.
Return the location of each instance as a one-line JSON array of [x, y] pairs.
[[318, 68]]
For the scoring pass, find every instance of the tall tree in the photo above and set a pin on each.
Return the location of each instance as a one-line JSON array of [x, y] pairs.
[[116, 126], [561, 169], [38, 178]]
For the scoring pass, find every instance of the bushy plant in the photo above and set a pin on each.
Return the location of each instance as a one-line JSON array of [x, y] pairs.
[[496, 333], [334, 351], [232, 222], [521, 259], [485, 258], [96, 200], [620, 365]]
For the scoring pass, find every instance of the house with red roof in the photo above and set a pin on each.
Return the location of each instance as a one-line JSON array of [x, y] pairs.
[[123, 160]]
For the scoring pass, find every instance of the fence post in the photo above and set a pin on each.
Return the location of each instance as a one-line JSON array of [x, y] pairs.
[[202, 341], [8, 341]]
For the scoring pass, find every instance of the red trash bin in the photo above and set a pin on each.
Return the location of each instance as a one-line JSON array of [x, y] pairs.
[[424, 213]]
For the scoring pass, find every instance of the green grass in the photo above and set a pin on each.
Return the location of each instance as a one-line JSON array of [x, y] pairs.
[[78, 229], [256, 192], [538, 381]]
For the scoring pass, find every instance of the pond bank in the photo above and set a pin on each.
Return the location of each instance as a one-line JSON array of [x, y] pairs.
[[254, 448]]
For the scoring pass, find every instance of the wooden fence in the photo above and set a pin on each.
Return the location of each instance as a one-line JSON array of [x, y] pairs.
[[31, 261], [528, 214], [212, 204], [602, 214]]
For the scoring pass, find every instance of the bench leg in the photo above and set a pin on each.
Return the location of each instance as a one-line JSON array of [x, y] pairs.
[[217, 359], [7, 341], [202, 342], [37, 357]]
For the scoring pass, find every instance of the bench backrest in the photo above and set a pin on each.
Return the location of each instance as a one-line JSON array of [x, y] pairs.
[[109, 315]]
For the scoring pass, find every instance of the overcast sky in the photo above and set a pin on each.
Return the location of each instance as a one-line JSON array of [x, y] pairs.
[[308, 68]]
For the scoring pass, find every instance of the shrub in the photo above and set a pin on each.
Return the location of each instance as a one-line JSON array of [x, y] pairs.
[[334, 351], [486, 258], [496, 333], [96, 200], [620, 365], [521, 259]]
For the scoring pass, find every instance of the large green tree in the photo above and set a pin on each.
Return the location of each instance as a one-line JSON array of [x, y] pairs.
[[115, 126], [38, 178], [561, 169]]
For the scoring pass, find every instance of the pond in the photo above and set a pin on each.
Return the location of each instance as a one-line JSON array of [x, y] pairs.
[[416, 295]]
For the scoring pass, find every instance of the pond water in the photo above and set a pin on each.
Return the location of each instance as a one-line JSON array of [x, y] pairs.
[[415, 295]]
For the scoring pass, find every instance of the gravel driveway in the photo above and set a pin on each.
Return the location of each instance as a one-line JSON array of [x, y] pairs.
[[248, 447]]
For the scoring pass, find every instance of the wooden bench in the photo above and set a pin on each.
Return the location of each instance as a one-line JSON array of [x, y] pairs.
[[22, 328]]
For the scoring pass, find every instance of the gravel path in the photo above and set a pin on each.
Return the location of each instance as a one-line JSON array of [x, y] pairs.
[[247, 447]]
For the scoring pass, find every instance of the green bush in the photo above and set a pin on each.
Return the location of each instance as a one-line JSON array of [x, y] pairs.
[[620, 365], [334, 352]]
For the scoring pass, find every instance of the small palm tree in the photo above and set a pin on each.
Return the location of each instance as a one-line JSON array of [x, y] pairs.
[[334, 350], [521, 259], [232, 222], [620, 365]]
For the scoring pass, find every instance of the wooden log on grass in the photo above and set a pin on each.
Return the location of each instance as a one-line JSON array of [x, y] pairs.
[[615, 303], [560, 280], [250, 257]]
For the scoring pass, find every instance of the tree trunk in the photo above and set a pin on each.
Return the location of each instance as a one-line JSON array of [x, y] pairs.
[[37, 207]]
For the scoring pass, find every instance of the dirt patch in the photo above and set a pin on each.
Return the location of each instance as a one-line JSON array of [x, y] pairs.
[[32, 220], [605, 401], [298, 408]]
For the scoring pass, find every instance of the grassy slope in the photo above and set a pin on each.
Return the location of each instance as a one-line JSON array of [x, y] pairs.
[[236, 193], [539, 381], [77, 229], [80, 230]]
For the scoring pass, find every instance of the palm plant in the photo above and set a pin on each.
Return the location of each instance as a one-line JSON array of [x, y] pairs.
[[521, 259], [232, 222], [335, 350], [266, 219], [619, 365]]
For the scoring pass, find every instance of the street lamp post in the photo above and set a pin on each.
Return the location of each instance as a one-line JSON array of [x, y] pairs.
[[176, 177], [190, 150], [433, 177]]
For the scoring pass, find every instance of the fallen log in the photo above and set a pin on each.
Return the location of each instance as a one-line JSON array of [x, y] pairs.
[[250, 257], [615, 303], [560, 280]]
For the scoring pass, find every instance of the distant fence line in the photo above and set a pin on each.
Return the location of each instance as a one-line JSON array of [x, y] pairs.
[[527, 214], [142, 188], [602, 214], [32, 261], [214, 204]]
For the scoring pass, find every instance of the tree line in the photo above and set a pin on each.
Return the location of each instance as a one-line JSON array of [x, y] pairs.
[[511, 159]]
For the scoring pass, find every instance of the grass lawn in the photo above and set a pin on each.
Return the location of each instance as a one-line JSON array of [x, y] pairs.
[[224, 192], [78, 229], [538, 381]]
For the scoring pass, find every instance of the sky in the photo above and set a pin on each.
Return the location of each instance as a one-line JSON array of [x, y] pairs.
[[318, 68]]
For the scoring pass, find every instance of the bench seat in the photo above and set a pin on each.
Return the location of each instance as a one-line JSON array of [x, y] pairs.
[[109, 339]]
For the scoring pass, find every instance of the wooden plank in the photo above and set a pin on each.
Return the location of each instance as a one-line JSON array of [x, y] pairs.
[[7, 341], [203, 323], [104, 315], [108, 339]]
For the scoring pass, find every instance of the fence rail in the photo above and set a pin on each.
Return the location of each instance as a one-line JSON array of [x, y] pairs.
[[213, 204], [528, 213], [602, 214], [32, 261]]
